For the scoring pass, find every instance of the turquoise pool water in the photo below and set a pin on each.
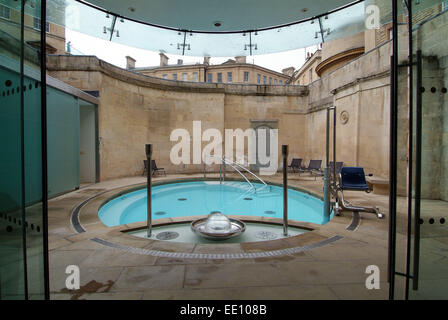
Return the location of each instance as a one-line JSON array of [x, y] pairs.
[[203, 197]]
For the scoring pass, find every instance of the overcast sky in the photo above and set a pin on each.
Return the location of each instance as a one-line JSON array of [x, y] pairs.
[[115, 53]]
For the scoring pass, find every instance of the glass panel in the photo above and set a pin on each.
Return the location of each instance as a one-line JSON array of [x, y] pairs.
[[344, 23], [33, 153], [422, 154], [429, 32], [403, 202], [12, 273], [62, 134], [11, 235], [21, 173], [79, 17]]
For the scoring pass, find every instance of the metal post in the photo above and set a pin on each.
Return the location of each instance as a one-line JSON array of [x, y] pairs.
[[334, 152], [224, 170], [148, 149], [285, 189], [326, 172]]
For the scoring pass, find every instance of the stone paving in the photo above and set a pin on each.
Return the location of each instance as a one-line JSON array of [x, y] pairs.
[[333, 271]]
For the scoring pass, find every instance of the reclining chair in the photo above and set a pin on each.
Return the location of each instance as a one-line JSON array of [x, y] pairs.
[[296, 163], [354, 179], [314, 166]]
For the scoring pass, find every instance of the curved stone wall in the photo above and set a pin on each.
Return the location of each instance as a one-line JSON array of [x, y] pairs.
[[135, 109]]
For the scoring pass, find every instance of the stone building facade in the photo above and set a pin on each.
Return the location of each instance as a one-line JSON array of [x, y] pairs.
[[10, 26], [231, 71]]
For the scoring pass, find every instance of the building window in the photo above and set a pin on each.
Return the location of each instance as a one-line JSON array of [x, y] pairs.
[[275, 81], [184, 77], [165, 76], [174, 76], [210, 77], [229, 77], [219, 77], [5, 12], [281, 81], [258, 78], [246, 76], [270, 80], [445, 5], [195, 76], [37, 24], [264, 79]]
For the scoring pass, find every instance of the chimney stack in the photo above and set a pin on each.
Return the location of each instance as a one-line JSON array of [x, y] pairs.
[[288, 71], [240, 59], [207, 60], [163, 59], [130, 63]]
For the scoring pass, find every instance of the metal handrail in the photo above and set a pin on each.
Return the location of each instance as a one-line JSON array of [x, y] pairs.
[[241, 174], [253, 174], [233, 165]]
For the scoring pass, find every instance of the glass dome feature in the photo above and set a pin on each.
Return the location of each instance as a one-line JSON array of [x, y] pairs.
[[217, 223]]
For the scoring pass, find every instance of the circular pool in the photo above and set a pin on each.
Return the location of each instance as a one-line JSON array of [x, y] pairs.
[[183, 199]]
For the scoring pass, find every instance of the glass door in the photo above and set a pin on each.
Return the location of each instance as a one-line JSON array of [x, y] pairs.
[[23, 251], [12, 242], [429, 240], [419, 235]]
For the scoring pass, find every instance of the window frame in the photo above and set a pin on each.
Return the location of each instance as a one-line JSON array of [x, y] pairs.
[[229, 77], [39, 23], [246, 76], [5, 9]]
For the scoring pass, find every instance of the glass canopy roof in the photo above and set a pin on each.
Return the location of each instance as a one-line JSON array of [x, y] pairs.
[[93, 21]]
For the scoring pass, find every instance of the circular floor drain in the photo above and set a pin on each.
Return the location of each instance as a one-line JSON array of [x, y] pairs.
[[182, 199], [247, 198], [160, 213], [265, 235], [167, 235], [269, 212]]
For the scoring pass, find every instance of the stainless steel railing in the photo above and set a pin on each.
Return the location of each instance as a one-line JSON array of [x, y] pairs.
[[234, 165]]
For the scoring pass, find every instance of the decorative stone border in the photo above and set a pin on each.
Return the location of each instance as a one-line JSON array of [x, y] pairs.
[[242, 255]]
